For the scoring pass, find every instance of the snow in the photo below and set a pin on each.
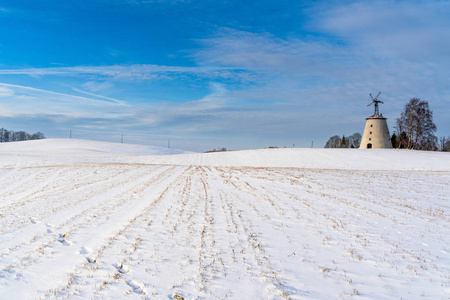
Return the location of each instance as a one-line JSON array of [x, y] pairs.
[[84, 219], [80, 147]]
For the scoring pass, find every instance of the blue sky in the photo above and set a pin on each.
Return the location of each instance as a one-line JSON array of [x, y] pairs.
[[210, 74]]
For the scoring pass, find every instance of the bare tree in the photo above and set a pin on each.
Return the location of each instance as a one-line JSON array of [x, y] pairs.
[[37, 136], [21, 136], [444, 144], [415, 126], [446, 147], [354, 140], [333, 142]]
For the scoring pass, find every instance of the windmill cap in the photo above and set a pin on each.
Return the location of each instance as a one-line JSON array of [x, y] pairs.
[[376, 116]]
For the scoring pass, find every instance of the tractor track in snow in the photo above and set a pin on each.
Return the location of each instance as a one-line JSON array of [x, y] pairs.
[[171, 231], [28, 253]]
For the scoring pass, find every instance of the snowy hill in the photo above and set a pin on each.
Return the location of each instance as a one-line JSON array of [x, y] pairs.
[[77, 146], [84, 219], [62, 151], [357, 159]]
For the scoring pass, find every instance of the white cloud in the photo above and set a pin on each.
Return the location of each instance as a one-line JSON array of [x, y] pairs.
[[264, 52], [6, 92], [121, 72], [95, 86], [26, 90], [366, 47], [19, 101], [417, 30]]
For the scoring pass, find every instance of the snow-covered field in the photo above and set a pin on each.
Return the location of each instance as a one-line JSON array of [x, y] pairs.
[[82, 219]]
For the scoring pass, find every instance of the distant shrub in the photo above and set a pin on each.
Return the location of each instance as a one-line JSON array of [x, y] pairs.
[[217, 150]]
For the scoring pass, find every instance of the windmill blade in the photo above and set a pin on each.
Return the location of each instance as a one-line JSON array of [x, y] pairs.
[[371, 97], [376, 98], [369, 104]]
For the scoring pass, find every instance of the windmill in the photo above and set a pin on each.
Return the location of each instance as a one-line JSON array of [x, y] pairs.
[[375, 101], [376, 133]]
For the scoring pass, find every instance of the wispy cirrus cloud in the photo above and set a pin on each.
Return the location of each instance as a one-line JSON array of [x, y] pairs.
[[61, 96], [125, 72], [265, 52], [96, 86], [6, 92], [97, 111], [27, 103], [416, 30], [393, 46]]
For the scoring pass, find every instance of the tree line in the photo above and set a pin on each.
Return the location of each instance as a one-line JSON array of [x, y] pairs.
[[352, 141], [15, 136], [415, 129]]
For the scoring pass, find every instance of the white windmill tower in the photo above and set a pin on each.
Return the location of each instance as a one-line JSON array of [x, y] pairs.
[[376, 133]]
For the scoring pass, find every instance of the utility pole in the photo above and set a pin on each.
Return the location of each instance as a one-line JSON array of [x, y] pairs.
[[168, 144], [71, 134], [312, 144], [121, 139]]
